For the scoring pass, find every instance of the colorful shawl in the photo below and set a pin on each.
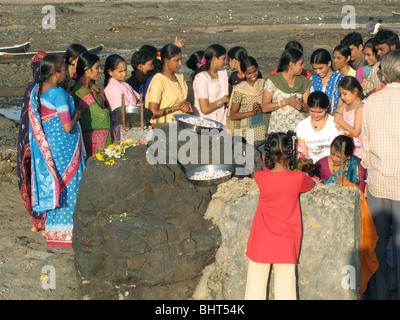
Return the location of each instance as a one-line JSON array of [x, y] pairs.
[[331, 90], [352, 171], [97, 129], [24, 150]]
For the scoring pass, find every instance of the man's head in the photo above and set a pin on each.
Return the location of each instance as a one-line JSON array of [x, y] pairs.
[[390, 66], [355, 42], [386, 41]]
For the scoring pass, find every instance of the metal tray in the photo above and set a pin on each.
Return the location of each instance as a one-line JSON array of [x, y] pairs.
[[198, 129], [211, 167], [132, 116]]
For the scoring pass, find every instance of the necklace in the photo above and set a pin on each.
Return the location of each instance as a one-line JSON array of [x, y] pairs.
[[315, 125], [212, 74]]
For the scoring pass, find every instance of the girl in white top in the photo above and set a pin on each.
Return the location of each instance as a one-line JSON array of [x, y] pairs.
[[316, 132], [210, 85]]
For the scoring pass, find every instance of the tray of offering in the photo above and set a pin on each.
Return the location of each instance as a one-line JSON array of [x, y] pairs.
[[132, 115], [210, 174], [197, 123]]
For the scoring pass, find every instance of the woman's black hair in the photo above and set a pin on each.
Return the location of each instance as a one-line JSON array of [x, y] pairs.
[[248, 62], [214, 50], [289, 55], [318, 99], [370, 44], [294, 44], [337, 144], [279, 146], [343, 49], [321, 56], [73, 52], [350, 83], [194, 59], [238, 53], [86, 61], [111, 63], [49, 64], [166, 52]]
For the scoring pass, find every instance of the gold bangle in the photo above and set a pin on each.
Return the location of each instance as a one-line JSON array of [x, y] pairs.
[[219, 103]]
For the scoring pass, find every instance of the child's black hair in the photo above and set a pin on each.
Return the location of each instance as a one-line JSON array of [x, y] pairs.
[[280, 146]]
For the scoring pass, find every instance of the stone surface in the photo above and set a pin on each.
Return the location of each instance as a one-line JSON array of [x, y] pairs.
[[331, 241], [143, 235]]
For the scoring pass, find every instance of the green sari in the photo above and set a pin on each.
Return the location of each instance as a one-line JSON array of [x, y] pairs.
[[97, 130]]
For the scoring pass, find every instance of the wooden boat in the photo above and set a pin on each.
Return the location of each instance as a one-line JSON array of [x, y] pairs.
[[27, 56], [396, 14], [20, 48]]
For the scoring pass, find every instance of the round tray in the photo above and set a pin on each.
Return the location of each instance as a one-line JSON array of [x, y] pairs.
[[198, 129], [132, 116], [211, 167]]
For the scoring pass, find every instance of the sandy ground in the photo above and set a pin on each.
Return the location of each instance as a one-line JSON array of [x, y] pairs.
[[263, 27]]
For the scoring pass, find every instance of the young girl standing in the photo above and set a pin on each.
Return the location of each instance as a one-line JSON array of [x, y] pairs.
[[276, 231], [349, 116]]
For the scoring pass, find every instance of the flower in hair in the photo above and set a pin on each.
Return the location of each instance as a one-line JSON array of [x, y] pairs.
[[348, 134], [159, 55], [203, 60]]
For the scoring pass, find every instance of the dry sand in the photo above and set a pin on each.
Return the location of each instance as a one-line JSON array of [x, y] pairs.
[[263, 27]]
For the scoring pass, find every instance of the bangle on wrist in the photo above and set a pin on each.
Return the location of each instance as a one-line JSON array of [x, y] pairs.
[[168, 110], [219, 103], [279, 104]]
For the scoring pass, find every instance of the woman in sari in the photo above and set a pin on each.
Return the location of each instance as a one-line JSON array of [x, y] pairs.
[[95, 120], [286, 93], [325, 79], [245, 104], [168, 91], [328, 168], [24, 150], [57, 160], [71, 58]]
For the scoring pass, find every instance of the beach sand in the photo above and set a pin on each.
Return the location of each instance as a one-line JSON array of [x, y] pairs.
[[262, 27]]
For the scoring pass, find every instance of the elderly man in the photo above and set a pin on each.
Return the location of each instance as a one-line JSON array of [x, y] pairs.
[[381, 153]]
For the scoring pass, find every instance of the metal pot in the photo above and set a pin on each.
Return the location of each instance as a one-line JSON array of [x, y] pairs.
[[132, 115]]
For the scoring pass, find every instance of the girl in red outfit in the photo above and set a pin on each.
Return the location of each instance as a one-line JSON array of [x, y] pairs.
[[276, 231]]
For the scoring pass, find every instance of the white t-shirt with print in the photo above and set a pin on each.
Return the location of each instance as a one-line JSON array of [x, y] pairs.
[[317, 142]]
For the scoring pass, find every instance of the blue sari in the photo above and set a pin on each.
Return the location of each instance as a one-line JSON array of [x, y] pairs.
[[57, 162], [331, 90]]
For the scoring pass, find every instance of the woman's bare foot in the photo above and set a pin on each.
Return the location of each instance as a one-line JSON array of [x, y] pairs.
[[43, 233], [33, 228]]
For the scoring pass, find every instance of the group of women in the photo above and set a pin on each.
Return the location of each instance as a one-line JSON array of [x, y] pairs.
[[70, 117]]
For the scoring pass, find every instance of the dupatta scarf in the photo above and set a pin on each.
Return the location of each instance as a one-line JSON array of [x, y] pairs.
[[331, 89], [46, 186]]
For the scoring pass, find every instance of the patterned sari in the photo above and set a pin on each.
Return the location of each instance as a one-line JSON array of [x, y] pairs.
[[57, 163], [97, 129], [24, 150]]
